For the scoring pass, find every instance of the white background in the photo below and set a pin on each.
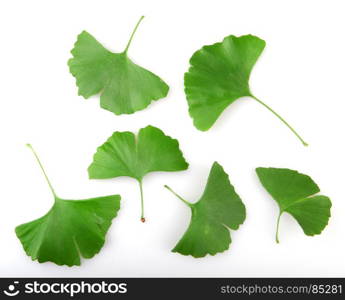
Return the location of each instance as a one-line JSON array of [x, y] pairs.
[[300, 74]]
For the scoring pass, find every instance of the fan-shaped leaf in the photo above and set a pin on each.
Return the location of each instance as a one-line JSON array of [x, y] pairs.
[[124, 154], [218, 210], [70, 230], [295, 193], [124, 86], [219, 75]]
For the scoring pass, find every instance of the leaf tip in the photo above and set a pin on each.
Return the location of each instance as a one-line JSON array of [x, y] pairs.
[[216, 163], [258, 170], [143, 220]]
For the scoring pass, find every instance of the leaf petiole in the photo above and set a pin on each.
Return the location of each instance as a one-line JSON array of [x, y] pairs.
[[178, 196], [41, 166], [132, 35], [281, 119], [277, 228], [142, 218]]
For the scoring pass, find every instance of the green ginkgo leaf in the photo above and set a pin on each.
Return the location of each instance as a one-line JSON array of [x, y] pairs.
[[295, 193], [70, 229], [218, 210], [219, 75], [124, 86], [124, 154]]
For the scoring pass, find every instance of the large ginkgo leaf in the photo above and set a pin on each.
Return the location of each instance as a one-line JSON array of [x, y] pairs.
[[218, 210], [219, 75], [124, 154], [70, 230], [124, 86]]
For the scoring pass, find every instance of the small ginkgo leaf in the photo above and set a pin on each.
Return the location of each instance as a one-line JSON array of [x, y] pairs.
[[218, 210], [219, 75], [70, 230], [124, 154], [295, 193], [124, 86]]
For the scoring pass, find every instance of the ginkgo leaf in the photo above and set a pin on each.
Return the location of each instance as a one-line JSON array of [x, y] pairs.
[[124, 154], [70, 230], [219, 75], [218, 210], [124, 86], [295, 193]]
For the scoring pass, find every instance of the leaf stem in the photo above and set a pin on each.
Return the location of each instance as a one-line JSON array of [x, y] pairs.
[[132, 35], [142, 218], [277, 228], [41, 166], [178, 196], [281, 119]]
